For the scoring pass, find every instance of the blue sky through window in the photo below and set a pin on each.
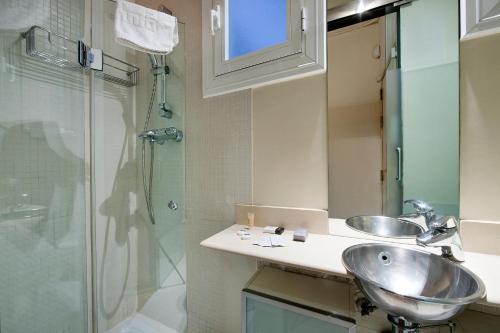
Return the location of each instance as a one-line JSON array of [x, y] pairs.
[[255, 25]]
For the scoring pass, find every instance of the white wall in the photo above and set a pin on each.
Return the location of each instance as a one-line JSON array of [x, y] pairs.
[[354, 112], [290, 166], [480, 134]]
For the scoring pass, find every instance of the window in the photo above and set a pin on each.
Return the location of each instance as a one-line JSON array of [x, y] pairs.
[[256, 25], [479, 15], [254, 42]]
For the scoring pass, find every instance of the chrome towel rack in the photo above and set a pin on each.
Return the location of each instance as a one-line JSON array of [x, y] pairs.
[[53, 48]]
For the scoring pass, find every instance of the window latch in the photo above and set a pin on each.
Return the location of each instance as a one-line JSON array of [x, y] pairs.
[[215, 20]]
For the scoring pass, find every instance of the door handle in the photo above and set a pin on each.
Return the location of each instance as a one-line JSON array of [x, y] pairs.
[[400, 164]]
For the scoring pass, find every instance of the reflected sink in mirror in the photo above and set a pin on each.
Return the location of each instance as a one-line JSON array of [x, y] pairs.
[[22, 211], [421, 287], [384, 226]]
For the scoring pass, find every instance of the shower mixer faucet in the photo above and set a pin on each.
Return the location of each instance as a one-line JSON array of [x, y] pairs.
[[160, 135]]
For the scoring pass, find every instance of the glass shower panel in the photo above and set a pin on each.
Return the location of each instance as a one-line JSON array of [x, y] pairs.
[[169, 203], [169, 176], [43, 285], [118, 227], [140, 266]]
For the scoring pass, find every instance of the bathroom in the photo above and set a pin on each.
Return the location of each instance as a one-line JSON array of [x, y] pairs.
[[133, 190]]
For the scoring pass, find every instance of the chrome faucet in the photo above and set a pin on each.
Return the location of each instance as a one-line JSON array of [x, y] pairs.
[[442, 231], [423, 210], [161, 135]]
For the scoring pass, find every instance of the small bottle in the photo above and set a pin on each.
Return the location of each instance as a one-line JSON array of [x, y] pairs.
[[251, 219]]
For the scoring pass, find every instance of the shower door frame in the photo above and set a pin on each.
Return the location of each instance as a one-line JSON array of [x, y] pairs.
[[91, 263]]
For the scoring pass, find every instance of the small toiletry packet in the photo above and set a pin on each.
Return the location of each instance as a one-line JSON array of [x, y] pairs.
[[264, 241], [271, 241], [244, 234], [278, 241]]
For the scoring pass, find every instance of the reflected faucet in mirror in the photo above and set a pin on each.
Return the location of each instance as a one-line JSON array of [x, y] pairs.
[[442, 231]]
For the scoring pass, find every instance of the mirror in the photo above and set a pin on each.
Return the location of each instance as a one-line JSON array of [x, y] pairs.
[[393, 106]]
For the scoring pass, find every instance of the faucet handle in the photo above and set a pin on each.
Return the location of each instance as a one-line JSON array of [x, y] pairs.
[[444, 222], [420, 206]]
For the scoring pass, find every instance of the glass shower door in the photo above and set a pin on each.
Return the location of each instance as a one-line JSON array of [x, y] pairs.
[[43, 285]]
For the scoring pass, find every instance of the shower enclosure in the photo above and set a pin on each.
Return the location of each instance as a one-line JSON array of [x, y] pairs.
[[79, 253]]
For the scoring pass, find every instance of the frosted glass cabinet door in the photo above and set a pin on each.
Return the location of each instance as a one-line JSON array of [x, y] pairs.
[[264, 315], [252, 42]]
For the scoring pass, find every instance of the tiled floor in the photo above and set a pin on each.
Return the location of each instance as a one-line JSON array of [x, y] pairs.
[[165, 310], [141, 324]]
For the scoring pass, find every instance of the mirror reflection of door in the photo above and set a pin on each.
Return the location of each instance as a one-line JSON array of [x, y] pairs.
[[393, 111], [357, 58]]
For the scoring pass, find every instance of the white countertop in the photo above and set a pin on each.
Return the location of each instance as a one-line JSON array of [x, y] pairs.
[[323, 253]]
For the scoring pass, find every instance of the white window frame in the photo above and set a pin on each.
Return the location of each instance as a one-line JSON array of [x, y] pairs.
[[472, 22], [303, 54], [292, 46]]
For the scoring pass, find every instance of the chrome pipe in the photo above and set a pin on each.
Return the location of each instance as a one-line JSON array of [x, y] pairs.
[[153, 60]]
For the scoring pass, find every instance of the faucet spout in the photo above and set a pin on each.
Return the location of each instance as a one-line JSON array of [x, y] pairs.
[[444, 234], [422, 209], [442, 231]]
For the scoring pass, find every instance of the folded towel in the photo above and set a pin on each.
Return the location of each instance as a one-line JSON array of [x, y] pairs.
[[144, 29]]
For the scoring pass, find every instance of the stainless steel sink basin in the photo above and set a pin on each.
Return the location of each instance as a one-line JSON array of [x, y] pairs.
[[384, 226], [421, 287]]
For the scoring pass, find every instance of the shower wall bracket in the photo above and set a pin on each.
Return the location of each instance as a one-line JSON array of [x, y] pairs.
[[89, 57]]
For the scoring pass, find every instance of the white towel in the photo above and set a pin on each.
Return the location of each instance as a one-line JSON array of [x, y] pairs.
[[144, 29]]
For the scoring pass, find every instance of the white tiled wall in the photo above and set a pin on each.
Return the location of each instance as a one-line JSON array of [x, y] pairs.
[[218, 175]]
